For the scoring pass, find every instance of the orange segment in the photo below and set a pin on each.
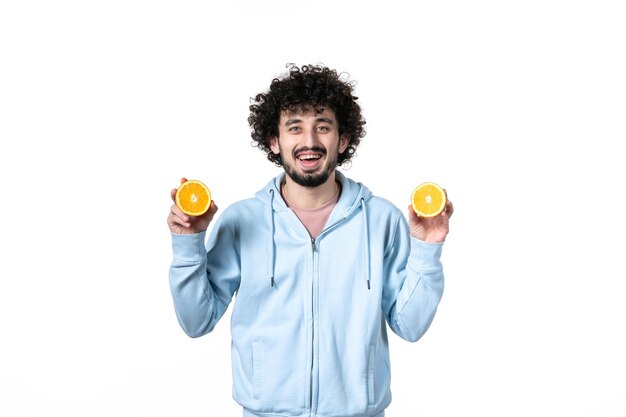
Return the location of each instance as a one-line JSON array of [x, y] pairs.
[[193, 198], [428, 199]]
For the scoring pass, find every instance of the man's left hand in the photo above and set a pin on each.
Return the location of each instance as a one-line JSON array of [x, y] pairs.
[[431, 229]]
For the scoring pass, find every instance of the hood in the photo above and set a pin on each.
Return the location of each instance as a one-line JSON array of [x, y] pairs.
[[353, 196], [352, 193]]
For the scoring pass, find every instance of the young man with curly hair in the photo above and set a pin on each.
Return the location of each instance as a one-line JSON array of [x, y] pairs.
[[320, 266]]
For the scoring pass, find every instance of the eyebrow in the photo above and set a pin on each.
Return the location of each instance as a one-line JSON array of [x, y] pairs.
[[294, 121]]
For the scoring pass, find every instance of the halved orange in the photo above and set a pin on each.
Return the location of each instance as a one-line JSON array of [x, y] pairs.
[[193, 198], [428, 199]]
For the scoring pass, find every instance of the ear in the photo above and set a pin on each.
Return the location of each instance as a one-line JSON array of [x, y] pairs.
[[344, 141], [273, 141]]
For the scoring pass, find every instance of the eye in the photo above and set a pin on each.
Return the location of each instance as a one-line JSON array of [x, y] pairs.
[[323, 128], [294, 129]]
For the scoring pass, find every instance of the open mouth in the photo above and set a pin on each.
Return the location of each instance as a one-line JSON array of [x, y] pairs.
[[309, 160], [309, 156]]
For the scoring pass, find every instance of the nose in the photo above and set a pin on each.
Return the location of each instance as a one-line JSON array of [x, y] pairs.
[[310, 138]]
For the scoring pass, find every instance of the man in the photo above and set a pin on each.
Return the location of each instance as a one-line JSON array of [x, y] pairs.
[[318, 263]]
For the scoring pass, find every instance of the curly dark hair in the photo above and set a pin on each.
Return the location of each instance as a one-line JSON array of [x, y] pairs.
[[312, 86]]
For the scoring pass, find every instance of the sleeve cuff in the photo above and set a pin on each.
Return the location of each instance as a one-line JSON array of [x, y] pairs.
[[189, 248], [425, 255]]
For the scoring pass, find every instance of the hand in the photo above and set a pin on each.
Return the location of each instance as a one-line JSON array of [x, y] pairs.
[[431, 229], [183, 224]]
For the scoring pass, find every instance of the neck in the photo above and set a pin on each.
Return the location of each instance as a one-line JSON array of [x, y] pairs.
[[309, 197]]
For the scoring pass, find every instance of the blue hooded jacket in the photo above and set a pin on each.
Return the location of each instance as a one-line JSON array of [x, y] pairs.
[[308, 324]]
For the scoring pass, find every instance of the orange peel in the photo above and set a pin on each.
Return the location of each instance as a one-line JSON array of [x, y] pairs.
[[428, 199], [193, 198]]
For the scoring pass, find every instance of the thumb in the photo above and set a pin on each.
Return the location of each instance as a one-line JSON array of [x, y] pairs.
[[413, 218]]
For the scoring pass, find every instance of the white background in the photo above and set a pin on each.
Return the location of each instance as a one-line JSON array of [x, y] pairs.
[[516, 108]]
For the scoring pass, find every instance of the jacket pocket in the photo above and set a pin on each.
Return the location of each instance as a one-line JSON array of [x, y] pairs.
[[378, 374], [258, 357], [371, 375], [274, 379]]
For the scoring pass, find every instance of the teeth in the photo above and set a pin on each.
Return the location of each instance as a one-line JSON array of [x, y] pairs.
[[309, 157]]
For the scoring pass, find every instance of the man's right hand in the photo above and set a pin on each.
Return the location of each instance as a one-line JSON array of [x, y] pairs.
[[183, 224]]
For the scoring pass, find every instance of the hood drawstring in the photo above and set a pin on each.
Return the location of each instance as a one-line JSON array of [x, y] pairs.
[[367, 242], [273, 245]]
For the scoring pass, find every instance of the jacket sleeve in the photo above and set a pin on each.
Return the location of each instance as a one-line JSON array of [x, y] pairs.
[[413, 284], [203, 280]]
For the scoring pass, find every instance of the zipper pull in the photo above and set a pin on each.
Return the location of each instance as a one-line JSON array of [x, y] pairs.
[[313, 244]]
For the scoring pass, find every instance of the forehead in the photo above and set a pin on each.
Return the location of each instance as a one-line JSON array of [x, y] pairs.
[[307, 113]]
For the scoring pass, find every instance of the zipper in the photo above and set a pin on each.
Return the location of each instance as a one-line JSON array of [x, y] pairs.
[[313, 250]]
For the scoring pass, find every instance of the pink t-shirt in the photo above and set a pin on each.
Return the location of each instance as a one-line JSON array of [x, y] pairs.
[[314, 219]]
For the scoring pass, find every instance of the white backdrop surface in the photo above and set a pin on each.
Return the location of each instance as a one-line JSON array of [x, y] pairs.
[[516, 108]]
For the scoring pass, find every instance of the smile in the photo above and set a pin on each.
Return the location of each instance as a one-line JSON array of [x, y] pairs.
[[310, 154], [309, 157]]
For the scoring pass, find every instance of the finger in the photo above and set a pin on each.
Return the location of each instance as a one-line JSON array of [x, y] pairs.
[[449, 208], [173, 192], [174, 220], [177, 212], [177, 221]]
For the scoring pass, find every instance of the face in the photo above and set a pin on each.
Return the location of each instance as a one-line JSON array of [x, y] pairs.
[[309, 145]]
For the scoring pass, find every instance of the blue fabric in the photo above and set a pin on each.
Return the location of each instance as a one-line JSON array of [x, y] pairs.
[[308, 322]]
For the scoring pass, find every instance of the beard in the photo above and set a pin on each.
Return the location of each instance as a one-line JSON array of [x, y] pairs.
[[312, 180]]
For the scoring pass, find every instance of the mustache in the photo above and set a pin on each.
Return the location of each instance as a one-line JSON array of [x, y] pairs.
[[317, 149]]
